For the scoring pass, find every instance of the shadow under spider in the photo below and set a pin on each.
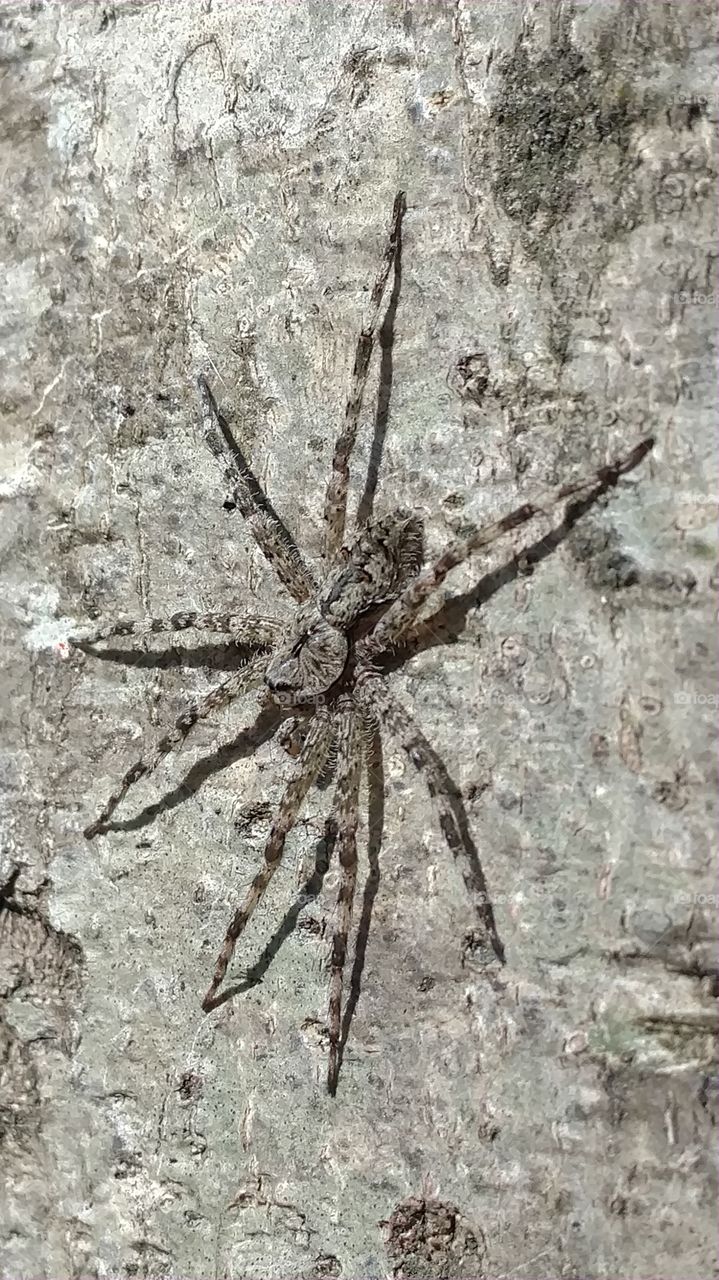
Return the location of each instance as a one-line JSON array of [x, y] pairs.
[[442, 627], [384, 393], [375, 805], [264, 727], [374, 758], [446, 625], [212, 657], [309, 891]]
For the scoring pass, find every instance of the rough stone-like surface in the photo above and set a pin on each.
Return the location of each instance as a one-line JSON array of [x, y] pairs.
[[205, 186]]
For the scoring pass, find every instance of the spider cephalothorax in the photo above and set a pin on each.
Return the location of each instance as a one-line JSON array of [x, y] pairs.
[[323, 661], [368, 577], [311, 663]]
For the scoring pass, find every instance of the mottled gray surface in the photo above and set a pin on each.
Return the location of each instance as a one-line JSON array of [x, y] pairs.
[[205, 186]]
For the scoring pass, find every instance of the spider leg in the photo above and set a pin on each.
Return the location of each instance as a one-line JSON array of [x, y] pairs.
[[405, 608], [345, 815], [336, 496], [244, 629], [374, 764], [237, 683], [374, 695], [312, 758], [271, 537]]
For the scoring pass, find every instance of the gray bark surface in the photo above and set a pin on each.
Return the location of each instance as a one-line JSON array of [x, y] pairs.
[[206, 187]]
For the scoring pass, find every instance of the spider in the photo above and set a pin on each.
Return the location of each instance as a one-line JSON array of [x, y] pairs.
[[323, 666]]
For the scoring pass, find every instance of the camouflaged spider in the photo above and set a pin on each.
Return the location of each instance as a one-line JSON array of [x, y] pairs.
[[323, 664]]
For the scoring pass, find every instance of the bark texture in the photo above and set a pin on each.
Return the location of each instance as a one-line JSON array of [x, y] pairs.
[[204, 187]]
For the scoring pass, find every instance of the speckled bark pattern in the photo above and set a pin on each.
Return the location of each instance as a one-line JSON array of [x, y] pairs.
[[204, 188]]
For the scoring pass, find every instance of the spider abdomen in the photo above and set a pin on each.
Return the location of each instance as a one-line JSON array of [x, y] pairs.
[[373, 569]]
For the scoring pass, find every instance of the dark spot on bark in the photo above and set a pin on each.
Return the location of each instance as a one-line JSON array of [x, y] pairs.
[[469, 377], [429, 1240]]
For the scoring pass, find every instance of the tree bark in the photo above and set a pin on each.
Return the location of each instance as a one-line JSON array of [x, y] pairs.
[[204, 188]]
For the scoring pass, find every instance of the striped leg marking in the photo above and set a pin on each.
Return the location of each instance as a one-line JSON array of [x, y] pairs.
[[311, 760]]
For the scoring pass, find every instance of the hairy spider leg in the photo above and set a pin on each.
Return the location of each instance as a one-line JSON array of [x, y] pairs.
[[336, 497]]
